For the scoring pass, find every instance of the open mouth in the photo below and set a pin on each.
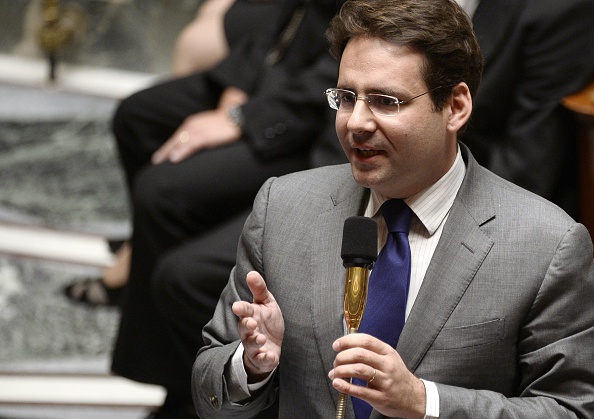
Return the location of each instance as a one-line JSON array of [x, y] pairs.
[[367, 152]]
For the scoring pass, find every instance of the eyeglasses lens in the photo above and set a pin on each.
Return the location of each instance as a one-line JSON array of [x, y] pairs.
[[345, 100]]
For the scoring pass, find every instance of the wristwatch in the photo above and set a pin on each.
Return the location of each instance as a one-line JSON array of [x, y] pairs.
[[236, 115]]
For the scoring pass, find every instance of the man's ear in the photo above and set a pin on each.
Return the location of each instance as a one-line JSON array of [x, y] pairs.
[[460, 107]]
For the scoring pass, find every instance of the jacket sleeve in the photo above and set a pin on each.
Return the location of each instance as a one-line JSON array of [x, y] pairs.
[[288, 112]]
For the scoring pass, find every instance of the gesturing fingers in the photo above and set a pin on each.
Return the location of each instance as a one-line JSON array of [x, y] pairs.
[[242, 309], [258, 288], [260, 327]]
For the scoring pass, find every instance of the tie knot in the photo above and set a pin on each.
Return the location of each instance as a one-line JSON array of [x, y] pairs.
[[397, 215]]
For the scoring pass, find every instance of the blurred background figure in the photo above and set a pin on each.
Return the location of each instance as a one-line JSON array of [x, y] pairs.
[[195, 151], [203, 42], [536, 53], [199, 46]]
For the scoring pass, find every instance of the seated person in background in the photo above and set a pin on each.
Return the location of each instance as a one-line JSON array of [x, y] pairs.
[[200, 45], [536, 53], [496, 314], [203, 42], [195, 151]]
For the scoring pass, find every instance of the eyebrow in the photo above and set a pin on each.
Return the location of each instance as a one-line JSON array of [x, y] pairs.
[[388, 92]]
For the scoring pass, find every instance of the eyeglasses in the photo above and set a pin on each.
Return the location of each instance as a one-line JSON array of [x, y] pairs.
[[345, 100]]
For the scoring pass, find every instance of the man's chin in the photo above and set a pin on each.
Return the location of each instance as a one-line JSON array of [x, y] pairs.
[[368, 178]]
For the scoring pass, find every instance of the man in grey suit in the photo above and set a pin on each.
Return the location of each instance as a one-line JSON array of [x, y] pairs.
[[499, 318]]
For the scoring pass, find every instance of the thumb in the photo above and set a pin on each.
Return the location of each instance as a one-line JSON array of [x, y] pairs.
[[258, 288]]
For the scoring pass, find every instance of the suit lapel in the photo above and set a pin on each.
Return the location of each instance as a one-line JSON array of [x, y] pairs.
[[327, 268], [461, 250]]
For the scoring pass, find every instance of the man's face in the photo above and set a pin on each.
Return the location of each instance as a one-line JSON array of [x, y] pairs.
[[399, 155]]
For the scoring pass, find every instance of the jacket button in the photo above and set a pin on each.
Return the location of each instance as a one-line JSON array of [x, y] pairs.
[[280, 128], [214, 401], [269, 133]]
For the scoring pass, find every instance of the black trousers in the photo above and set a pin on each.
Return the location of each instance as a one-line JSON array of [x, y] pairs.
[[187, 218]]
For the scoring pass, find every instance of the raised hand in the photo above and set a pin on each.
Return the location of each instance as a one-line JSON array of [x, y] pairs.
[[261, 329]]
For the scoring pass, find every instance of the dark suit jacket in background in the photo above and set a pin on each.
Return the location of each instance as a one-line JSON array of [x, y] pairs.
[[503, 323], [536, 52]]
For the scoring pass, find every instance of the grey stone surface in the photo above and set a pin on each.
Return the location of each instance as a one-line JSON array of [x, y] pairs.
[[59, 164], [37, 322], [58, 168], [63, 172]]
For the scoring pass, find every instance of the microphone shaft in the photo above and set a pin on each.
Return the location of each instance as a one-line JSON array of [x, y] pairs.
[[355, 296]]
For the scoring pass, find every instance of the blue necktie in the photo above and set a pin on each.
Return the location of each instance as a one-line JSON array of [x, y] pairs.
[[388, 286]]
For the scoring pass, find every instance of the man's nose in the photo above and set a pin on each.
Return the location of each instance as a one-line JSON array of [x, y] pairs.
[[361, 118]]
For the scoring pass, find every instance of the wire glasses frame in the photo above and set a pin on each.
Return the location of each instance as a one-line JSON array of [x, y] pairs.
[[345, 100]]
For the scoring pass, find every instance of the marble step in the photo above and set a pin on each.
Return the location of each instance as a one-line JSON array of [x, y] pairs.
[[103, 82], [23, 389], [55, 245]]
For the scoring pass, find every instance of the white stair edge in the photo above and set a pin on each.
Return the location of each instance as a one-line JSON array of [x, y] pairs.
[[55, 245], [75, 390], [106, 82]]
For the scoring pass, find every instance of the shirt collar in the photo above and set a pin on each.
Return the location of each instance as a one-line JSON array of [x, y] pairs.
[[469, 6], [432, 205]]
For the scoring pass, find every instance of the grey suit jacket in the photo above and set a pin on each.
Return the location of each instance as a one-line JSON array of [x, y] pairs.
[[503, 323]]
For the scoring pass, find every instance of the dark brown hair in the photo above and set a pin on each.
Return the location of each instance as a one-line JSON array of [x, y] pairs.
[[438, 29]]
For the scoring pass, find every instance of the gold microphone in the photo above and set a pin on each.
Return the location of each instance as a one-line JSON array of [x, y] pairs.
[[359, 252]]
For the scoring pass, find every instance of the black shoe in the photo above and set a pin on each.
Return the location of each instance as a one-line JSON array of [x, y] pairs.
[[93, 292]]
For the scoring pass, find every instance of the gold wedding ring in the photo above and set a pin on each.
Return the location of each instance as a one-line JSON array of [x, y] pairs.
[[184, 137], [373, 377]]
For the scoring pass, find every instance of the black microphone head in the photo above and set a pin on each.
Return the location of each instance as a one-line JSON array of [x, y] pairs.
[[359, 241]]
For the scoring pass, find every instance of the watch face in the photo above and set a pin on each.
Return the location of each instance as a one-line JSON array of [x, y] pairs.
[[236, 115]]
